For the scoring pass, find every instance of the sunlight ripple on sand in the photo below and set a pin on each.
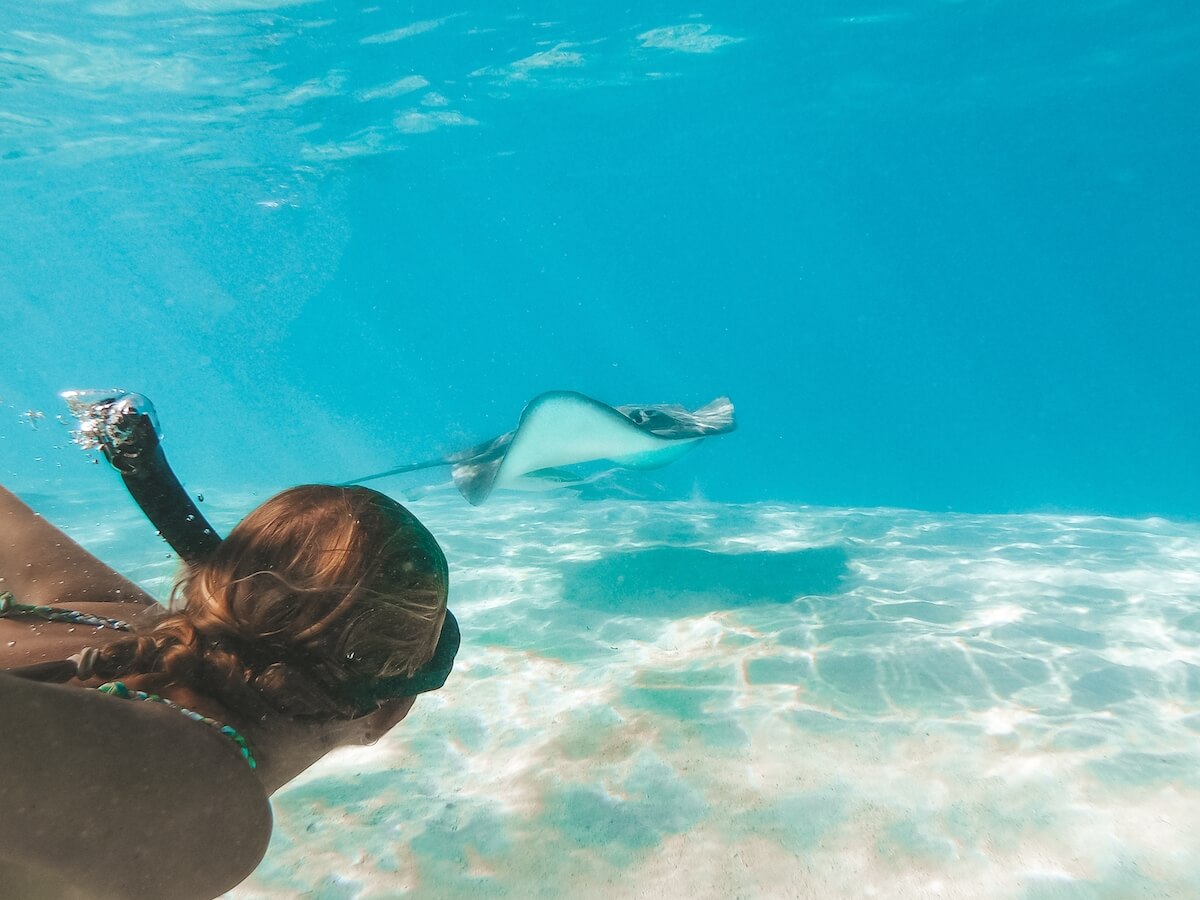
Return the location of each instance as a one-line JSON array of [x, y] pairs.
[[690, 699]]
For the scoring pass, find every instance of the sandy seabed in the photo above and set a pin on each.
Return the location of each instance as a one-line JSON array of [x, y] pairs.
[[688, 699]]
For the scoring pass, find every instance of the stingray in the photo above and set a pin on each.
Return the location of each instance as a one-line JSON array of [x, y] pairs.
[[562, 428]]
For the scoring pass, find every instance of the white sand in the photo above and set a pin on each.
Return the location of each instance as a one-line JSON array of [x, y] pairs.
[[922, 706]]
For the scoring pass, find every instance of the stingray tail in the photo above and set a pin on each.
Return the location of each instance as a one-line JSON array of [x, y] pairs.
[[399, 470]]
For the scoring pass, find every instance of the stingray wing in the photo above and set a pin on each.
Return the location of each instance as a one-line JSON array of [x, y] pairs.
[[669, 420], [563, 428]]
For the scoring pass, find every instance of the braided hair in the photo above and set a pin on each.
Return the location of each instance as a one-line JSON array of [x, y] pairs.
[[315, 592]]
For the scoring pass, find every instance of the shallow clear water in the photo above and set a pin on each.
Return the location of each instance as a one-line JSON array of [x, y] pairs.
[[940, 254], [716, 700]]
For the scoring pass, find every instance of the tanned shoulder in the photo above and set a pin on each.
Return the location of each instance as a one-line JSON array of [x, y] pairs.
[[128, 798]]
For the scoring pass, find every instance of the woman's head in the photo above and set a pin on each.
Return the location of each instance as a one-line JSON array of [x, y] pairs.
[[316, 596]]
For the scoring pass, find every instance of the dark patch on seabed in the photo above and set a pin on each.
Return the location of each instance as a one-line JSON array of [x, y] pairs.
[[675, 581]]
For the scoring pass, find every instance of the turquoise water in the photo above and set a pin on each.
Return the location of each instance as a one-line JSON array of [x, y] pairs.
[[941, 254], [924, 625]]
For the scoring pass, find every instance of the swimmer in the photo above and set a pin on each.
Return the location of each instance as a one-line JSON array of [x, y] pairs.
[[139, 746]]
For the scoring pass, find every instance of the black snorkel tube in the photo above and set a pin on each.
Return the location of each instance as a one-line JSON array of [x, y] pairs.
[[124, 428]]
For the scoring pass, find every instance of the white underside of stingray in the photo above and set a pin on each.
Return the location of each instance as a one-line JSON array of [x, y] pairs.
[[560, 429]]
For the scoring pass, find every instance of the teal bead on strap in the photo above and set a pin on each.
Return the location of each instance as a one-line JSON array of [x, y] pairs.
[[115, 689]]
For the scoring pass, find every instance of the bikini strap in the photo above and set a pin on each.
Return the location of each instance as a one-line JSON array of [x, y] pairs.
[[119, 689], [81, 664], [9, 608]]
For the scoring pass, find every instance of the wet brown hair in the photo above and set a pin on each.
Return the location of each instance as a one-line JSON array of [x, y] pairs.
[[318, 590]]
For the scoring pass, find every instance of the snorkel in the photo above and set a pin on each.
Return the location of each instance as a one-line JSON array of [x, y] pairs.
[[123, 426]]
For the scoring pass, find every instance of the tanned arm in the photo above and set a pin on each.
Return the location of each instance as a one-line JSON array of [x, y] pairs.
[[41, 565]]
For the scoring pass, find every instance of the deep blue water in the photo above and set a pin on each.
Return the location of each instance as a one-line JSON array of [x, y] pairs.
[[940, 254]]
